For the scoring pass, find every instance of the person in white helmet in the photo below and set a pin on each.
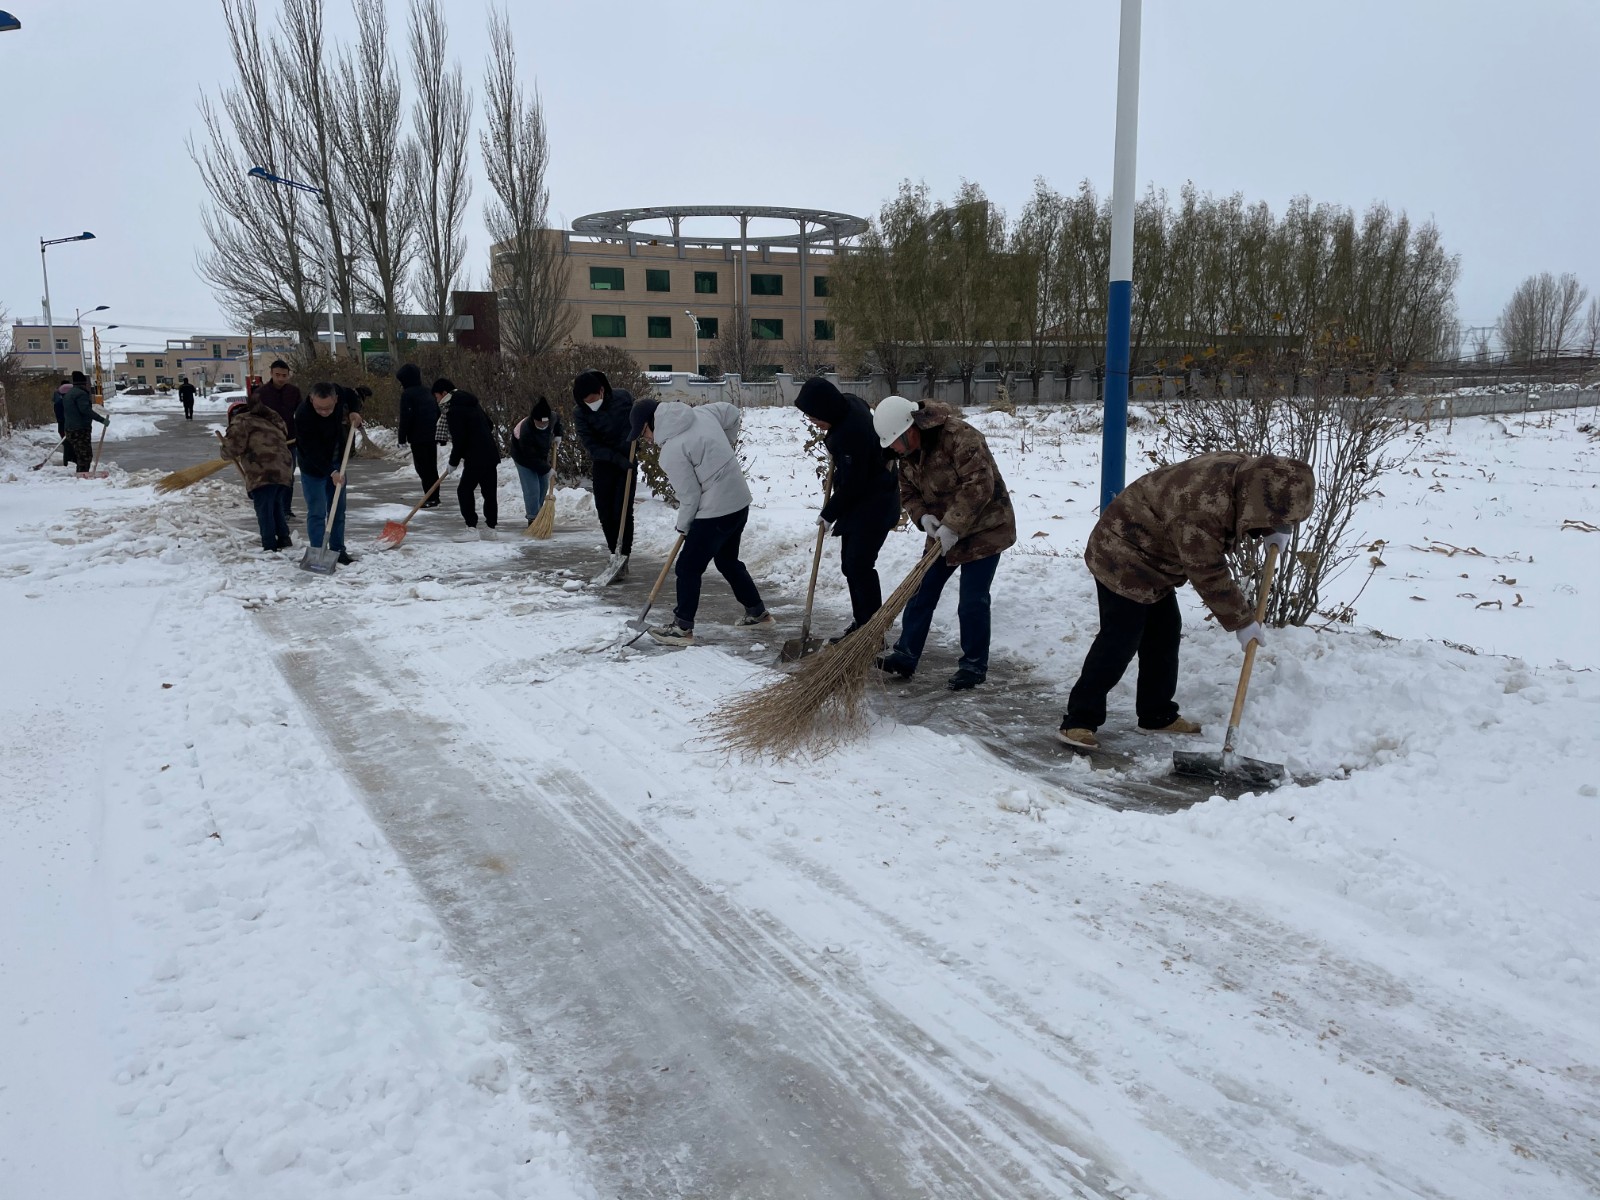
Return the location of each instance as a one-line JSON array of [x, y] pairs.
[[951, 488]]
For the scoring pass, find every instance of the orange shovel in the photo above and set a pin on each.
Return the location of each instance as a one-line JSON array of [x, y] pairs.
[[394, 532]]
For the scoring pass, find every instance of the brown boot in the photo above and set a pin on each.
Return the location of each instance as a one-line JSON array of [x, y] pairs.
[[1081, 739], [1181, 725]]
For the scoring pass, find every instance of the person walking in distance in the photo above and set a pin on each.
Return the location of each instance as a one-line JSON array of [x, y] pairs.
[[186, 397], [283, 398], [952, 489], [602, 418], [419, 417], [78, 414], [258, 441], [533, 449], [1176, 525], [699, 456], [321, 423], [472, 442], [865, 500]]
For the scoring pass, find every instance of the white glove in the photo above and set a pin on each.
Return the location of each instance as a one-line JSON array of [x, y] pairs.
[[947, 537], [824, 524], [930, 525], [1251, 633], [1279, 537]]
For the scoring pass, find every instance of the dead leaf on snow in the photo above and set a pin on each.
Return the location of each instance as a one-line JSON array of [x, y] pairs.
[[1489, 604]]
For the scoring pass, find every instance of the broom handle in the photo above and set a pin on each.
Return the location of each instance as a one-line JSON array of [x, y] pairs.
[[53, 449], [816, 557], [661, 578], [1250, 651], [327, 532]]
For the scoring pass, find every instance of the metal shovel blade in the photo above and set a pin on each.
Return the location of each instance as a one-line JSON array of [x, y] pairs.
[[320, 560], [797, 648], [1227, 767]]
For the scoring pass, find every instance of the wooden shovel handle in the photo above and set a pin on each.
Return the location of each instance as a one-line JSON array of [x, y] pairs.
[[338, 490], [662, 578], [417, 507], [1250, 651], [816, 557]]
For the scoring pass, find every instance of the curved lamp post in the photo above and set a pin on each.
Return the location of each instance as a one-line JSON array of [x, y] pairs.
[[694, 323], [8, 22], [267, 176], [49, 317]]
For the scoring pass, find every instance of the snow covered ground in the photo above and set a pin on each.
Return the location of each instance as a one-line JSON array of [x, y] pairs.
[[285, 920]]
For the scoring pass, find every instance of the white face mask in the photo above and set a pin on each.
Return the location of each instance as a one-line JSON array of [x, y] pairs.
[[594, 405]]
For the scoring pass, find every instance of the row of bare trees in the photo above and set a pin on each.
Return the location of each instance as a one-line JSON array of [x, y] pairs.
[[1545, 318], [941, 287], [381, 227]]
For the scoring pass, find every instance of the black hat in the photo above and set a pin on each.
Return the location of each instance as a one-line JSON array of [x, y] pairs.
[[79, 377], [442, 386], [409, 375], [644, 413], [588, 383], [820, 399], [541, 409]]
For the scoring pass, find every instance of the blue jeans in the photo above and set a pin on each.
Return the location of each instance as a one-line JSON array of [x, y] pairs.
[[272, 514], [318, 493], [534, 487], [973, 611]]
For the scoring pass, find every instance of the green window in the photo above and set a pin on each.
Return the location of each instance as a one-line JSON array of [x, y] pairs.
[[608, 326], [766, 329], [819, 285], [708, 327], [664, 367], [660, 327], [605, 279], [705, 283], [766, 285], [657, 281], [139, 362], [822, 330]]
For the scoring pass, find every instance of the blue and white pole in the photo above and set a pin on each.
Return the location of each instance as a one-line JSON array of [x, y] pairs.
[[1119, 306]]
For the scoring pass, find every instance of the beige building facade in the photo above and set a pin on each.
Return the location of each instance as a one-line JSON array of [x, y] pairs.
[[209, 361]]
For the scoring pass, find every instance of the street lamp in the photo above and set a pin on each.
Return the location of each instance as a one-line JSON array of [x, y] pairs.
[[267, 176], [8, 22], [49, 317], [694, 321]]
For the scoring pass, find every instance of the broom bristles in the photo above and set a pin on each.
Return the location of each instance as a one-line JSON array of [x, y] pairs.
[[822, 701], [188, 476], [544, 525]]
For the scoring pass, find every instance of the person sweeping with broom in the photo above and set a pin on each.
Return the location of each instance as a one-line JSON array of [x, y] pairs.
[[533, 450], [865, 500], [951, 487], [1176, 525], [699, 457]]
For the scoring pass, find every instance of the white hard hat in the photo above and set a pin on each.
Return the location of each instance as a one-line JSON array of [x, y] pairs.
[[893, 417]]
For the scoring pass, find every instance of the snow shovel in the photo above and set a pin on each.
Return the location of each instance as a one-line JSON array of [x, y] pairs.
[[39, 466], [394, 532], [94, 472], [638, 622], [320, 560], [797, 648], [1229, 765], [609, 574]]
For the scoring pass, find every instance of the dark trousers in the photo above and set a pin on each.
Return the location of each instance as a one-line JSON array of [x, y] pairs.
[[972, 611], [714, 540], [1127, 628], [609, 483], [859, 544], [272, 514], [294, 465], [479, 477], [425, 458], [188, 409], [80, 449]]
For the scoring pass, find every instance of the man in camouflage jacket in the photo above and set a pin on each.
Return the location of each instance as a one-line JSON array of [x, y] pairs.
[[951, 488], [258, 441], [1176, 525]]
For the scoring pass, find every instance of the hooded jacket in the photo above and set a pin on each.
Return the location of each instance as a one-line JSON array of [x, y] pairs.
[[78, 410], [604, 432], [697, 453], [864, 486], [259, 442], [1178, 524], [419, 411], [532, 447], [319, 440], [953, 476], [471, 435]]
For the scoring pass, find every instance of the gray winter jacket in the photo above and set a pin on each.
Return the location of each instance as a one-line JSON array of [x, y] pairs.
[[697, 453]]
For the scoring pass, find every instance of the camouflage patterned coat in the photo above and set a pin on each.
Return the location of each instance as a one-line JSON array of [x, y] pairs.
[[954, 477], [1178, 523], [259, 442]]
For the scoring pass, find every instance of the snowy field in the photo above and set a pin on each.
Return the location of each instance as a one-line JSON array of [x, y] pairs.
[[274, 903]]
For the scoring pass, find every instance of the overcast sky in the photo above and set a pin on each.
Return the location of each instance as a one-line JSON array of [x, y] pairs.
[[1481, 115]]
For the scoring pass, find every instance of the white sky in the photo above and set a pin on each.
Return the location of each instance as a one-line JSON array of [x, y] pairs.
[[1481, 115]]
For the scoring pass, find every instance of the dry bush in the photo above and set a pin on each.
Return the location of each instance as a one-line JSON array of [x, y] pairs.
[[28, 400]]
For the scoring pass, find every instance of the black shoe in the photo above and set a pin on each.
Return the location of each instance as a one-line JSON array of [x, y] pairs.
[[285, 543], [344, 558], [894, 663], [431, 502], [849, 629], [963, 681]]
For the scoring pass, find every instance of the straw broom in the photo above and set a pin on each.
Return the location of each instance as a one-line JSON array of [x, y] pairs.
[[544, 525], [189, 476], [822, 700]]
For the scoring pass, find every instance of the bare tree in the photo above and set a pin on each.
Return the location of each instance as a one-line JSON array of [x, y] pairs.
[[1541, 317], [435, 163], [529, 266], [367, 101], [1591, 329], [261, 238]]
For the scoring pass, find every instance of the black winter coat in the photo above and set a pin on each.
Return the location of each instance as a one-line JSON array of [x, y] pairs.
[[471, 434], [865, 491], [532, 449], [604, 433], [419, 411], [319, 440]]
